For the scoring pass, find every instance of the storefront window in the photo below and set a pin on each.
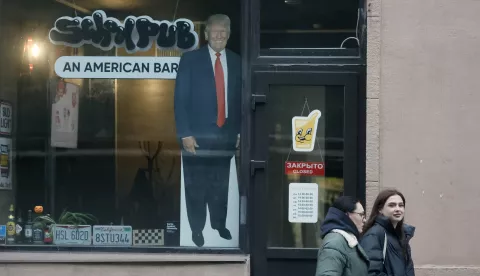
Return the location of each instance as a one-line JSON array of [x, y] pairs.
[[313, 24], [117, 128]]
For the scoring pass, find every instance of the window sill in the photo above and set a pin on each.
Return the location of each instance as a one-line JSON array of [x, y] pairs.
[[93, 257]]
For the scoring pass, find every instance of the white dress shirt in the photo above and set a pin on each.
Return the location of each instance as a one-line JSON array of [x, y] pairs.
[[223, 61]]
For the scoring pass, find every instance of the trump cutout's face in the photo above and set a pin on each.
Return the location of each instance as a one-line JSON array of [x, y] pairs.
[[217, 36]]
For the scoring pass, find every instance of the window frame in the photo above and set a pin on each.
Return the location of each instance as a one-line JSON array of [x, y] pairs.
[[241, 249], [266, 259], [260, 56]]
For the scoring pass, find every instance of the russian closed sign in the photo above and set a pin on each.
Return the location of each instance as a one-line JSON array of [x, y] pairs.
[[305, 168]]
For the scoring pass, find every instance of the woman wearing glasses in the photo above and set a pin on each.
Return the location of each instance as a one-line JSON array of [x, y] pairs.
[[386, 237], [341, 254]]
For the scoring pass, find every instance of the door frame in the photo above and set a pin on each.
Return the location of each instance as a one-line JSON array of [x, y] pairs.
[[258, 152]]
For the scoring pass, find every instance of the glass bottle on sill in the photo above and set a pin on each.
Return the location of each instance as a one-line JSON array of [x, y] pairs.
[[11, 226], [37, 230], [29, 229], [19, 229]]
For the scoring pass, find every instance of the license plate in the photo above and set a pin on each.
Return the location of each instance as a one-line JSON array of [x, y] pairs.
[[3, 234], [112, 235], [72, 235]]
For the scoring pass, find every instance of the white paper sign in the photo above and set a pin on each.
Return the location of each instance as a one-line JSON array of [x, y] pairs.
[[303, 203], [5, 163], [113, 67], [6, 115], [64, 129]]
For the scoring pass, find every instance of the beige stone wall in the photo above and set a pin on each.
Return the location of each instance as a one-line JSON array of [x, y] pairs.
[[123, 269], [422, 124]]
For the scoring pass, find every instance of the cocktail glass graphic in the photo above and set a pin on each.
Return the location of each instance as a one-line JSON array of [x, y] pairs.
[[304, 131]]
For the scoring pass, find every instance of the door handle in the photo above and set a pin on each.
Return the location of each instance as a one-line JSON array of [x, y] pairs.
[[257, 165], [258, 99]]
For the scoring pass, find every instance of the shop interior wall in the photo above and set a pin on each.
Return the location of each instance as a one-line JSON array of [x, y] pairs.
[[426, 93]]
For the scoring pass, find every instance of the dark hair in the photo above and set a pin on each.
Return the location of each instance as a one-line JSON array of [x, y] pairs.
[[380, 201], [345, 204]]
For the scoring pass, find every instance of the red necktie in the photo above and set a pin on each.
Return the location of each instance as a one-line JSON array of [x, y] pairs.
[[220, 87]]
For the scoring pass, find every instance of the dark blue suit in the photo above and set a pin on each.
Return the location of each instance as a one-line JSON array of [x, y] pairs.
[[207, 173]]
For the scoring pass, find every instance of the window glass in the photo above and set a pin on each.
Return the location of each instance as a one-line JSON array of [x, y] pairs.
[[305, 167], [308, 23], [96, 100]]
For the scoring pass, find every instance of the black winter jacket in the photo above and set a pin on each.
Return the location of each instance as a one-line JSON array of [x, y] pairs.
[[396, 264]]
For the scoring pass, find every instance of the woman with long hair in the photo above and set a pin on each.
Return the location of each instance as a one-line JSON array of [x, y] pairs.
[[341, 254], [386, 237]]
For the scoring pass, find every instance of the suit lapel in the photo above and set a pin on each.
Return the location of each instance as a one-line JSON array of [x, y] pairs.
[[208, 63], [209, 73]]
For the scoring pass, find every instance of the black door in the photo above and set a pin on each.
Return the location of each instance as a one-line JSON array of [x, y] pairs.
[[299, 165]]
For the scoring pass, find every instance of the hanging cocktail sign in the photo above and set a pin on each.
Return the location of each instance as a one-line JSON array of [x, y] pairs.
[[134, 34], [304, 132]]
